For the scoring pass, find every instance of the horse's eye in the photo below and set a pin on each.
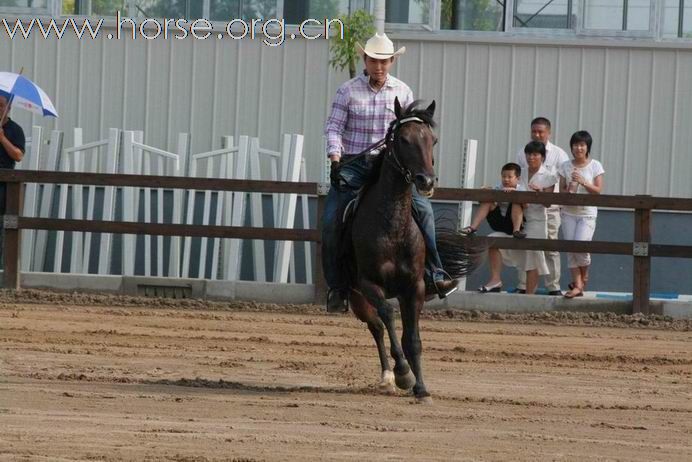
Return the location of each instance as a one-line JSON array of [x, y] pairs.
[[435, 142]]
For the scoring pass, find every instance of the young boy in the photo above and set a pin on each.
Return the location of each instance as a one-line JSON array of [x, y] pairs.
[[503, 216], [505, 219]]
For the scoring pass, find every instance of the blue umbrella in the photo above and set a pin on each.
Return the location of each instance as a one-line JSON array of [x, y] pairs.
[[24, 93]]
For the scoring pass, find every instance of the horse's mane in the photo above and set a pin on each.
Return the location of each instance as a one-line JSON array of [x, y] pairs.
[[411, 110]]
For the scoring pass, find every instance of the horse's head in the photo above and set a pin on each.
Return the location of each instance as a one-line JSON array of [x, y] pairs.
[[411, 145]]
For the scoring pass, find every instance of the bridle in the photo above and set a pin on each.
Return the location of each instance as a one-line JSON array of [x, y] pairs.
[[388, 143], [390, 155]]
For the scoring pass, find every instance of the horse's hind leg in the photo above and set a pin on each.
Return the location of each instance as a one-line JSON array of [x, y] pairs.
[[366, 313], [410, 308], [403, 377]]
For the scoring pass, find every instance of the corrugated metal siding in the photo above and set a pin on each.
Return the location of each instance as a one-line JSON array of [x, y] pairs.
[[636, 102]]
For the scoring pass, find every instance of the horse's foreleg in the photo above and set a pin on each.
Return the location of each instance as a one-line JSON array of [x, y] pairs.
[[402, 372], [366, 313], [386, 384], [410, 308]]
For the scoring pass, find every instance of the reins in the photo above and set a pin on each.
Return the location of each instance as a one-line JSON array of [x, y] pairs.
[[364, 152]]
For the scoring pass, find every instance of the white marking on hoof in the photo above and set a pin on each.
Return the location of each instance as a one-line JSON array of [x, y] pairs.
[[387, 377], [386, 385]]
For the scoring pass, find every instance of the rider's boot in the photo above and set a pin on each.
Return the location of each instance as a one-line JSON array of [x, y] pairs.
[[440, 284], [444, 284]]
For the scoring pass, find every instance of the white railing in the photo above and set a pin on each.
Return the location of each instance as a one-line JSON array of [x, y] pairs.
[[125, 152]]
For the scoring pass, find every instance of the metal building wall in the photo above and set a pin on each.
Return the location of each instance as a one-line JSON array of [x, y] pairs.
[[635, 99]]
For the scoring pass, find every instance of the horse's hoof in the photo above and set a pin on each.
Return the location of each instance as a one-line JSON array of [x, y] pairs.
[[386, 386], [424, 400], [405, 381]]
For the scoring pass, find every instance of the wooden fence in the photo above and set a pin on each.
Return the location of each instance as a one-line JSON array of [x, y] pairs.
[[641, 247]]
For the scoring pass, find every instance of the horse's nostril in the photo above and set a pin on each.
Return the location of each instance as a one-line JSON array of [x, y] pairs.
[[425, 181]]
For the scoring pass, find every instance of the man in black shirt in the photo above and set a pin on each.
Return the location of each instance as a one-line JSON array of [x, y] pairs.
[[11, 151], [11, 145]]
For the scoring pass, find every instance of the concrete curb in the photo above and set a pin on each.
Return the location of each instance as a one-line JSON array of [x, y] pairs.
[[268, 292], [515, 303]]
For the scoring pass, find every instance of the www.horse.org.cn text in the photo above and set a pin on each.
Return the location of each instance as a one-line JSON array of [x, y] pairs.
[[272, 32]]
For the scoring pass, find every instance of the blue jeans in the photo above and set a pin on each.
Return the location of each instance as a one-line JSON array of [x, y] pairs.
[[354, 175]]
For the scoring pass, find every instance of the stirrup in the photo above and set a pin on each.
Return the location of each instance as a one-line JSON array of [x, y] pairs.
[[446, 277], [449, 292]]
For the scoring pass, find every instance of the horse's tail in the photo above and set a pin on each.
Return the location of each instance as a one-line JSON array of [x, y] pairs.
[[461, 255]]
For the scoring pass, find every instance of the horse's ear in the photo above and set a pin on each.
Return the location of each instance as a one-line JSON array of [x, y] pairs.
[[397, 107], [431, 109]]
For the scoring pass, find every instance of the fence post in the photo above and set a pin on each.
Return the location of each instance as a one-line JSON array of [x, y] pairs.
[[13, 204], [642, 261]]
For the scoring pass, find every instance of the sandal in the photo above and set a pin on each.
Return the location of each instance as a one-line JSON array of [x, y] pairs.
[[468, 231], [495, 288], [519, 234], [572, 294]]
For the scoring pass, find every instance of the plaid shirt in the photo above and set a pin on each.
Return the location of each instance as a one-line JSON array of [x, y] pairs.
[[360, 115]]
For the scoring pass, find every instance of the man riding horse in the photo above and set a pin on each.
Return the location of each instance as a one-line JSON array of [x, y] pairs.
[[361, 114]]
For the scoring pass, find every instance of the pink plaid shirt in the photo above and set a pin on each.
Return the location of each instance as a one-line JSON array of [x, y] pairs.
[[360, 115]]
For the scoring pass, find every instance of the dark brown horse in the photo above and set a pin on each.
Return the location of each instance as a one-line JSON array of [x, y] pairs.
[[387, 251]]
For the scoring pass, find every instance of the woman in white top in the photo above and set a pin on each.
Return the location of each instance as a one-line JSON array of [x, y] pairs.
[[581, 175], [537, 178]]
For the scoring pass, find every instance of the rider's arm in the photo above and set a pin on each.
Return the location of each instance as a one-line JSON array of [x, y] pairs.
[[336, 123]]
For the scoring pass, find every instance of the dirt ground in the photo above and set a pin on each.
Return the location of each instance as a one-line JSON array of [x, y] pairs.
[[117, 378]]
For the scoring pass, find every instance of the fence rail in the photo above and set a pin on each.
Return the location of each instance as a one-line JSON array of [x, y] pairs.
[[641, 247]]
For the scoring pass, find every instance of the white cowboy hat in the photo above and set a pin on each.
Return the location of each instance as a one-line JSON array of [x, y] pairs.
[[379, 47]]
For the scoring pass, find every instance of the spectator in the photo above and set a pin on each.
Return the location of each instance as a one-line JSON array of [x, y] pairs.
[[12, 143], [581, 175], [537, 178], [555, 156], [506, 220]]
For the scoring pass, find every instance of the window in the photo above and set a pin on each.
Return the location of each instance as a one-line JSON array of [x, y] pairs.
[[135, 8], [677, 19], [297, 11], [618, 15], [543, 14], [188, 9], [650, 19], [25, 7], [24, 4], [407, 11], [94, 7], [226, 10], [481, 15]]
